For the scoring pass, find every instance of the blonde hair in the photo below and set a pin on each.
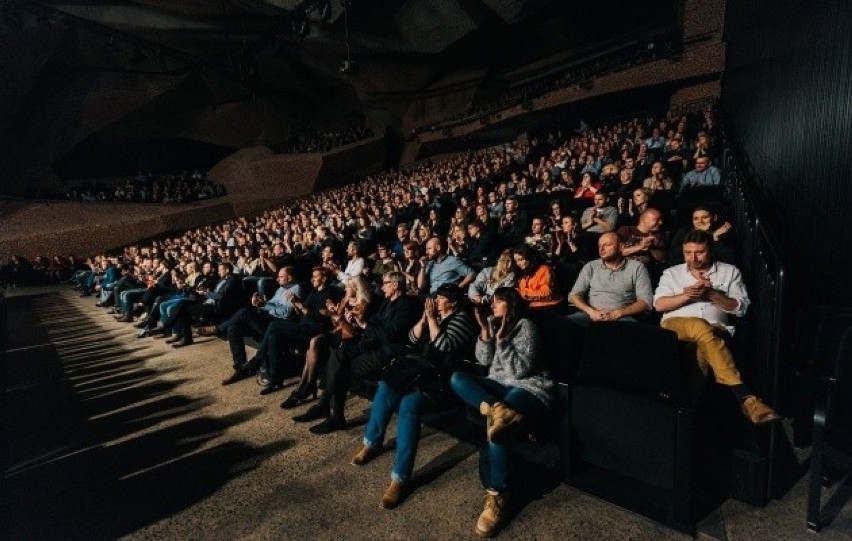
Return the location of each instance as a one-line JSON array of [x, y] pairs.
[[363, 292], [500, 271]]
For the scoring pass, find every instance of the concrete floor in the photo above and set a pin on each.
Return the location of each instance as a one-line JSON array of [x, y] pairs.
[[108, 436]]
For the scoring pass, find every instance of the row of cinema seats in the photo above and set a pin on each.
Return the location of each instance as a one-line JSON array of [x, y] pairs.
[[636, 424]]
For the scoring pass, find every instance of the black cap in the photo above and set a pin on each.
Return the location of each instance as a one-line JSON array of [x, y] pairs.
[[452, 292]]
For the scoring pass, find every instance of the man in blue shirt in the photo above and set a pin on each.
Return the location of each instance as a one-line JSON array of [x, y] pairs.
[[704, 174], [441, 268], [255, 320]]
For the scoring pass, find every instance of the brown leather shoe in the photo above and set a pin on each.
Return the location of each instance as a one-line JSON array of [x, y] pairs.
[[393, 495], [207, 330], [493, 515], [365, 455], [758, 412]]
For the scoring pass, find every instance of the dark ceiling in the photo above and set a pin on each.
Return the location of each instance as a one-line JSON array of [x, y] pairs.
[[253, 39], [81, 77]]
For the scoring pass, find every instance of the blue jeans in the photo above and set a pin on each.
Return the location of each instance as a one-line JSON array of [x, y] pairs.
[[494, 457], [409, 407], [128, 298], [167, 308]]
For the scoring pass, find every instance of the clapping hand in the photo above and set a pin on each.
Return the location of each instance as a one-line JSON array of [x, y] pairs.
[[430, 309]]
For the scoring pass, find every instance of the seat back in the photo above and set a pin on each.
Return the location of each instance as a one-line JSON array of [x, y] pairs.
[[626, 405], [839, 414], [634, 357]]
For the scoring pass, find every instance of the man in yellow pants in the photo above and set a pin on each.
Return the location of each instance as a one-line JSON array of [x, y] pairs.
[[696, 298]]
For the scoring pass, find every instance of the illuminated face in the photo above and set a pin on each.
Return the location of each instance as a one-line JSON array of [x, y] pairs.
[[317, 279], [499, 307], [608, 246], [639, 197], [521, 262], [600, 200], [702, 220], [651, 220], [696, 256], [444, 305], [701, 164], [433, 249], [537, 226]]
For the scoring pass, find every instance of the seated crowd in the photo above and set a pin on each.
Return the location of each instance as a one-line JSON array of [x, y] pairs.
[[523, 93], [322, 140], [182, 188], [446, 280]]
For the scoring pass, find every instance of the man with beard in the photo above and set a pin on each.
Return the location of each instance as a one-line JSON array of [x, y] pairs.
[[696, 299]]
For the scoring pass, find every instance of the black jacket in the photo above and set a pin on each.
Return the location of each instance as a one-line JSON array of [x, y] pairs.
[[387, 330]]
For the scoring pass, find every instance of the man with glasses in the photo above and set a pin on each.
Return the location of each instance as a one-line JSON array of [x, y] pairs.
[[384, 337]]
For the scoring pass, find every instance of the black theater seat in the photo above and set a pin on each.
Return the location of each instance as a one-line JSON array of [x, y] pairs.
[[628, 433]]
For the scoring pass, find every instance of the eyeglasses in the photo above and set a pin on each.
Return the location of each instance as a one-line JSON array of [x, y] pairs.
[[387, 282]]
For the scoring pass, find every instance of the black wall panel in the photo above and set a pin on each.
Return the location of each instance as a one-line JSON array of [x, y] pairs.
[[787, 99]]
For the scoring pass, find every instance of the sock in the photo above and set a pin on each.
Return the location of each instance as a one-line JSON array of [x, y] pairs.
[[741, 391]]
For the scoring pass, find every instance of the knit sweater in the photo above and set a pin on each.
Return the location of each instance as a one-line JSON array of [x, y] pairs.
[[514, 361]]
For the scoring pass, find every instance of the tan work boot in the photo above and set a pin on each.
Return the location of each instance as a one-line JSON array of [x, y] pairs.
[[500, 417], [365, 455], [758, 412], [493, 515], [393, 495]]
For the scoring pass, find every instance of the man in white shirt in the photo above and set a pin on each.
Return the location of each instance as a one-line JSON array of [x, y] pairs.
[[696, 298]]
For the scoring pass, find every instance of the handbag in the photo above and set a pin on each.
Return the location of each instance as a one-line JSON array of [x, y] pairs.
[[403, 373], [425, 371]]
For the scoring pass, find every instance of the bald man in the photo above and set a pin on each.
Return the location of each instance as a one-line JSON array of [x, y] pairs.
[[611, 288]]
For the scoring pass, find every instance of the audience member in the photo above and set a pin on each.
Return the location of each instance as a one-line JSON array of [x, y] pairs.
[[442, 337], [611, 288], [516, 390], [696, 298]]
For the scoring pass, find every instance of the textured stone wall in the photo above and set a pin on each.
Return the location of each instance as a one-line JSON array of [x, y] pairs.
[[701, 17], [256, 178], [697, 92]]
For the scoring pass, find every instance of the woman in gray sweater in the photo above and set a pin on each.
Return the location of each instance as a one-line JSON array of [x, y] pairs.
[[515, 389]]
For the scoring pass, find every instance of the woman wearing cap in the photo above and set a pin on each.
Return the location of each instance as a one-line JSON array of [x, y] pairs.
[[442, 336], [516, 389]]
